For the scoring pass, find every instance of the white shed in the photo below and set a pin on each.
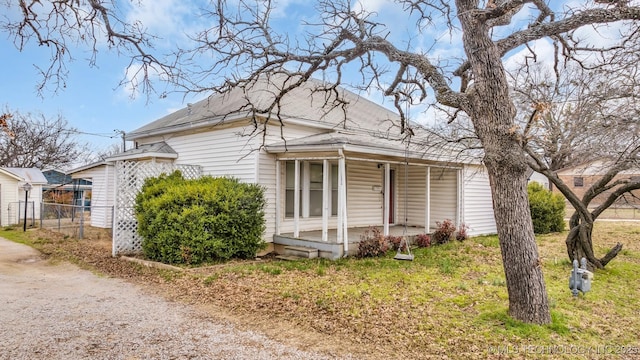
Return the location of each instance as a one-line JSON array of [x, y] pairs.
[[12, 194], [102, 177]]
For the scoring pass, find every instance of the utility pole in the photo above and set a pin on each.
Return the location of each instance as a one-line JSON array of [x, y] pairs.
[[124, 142]]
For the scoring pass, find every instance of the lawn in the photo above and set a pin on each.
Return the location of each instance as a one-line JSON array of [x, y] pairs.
[[451, 302]]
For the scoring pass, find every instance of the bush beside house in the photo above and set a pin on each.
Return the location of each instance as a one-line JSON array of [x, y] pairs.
[[203, 220], [547, 209]]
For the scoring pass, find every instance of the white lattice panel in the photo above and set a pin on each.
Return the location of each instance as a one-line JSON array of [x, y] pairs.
[[130, 176]]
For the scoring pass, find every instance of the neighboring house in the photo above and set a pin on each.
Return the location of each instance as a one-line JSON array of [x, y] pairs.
[[581, 177], [100, 176], [12, 194], [61, 188], [328, 172]]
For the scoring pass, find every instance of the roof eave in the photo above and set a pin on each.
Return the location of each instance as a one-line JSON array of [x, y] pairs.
[[10, 174], [150, 155], [87, 167], [219, 120]]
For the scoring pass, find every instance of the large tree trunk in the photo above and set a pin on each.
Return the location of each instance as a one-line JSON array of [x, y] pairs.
[[580, 244], [493, 114], [525, 282]]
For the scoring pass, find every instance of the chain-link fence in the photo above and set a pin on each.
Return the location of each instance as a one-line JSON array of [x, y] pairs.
[[16, 213], [72, 220]]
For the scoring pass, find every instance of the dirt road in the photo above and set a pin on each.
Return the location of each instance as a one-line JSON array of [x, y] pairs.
[[58, 311]]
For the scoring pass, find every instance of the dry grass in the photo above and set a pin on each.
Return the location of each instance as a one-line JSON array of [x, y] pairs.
[[451, 302]]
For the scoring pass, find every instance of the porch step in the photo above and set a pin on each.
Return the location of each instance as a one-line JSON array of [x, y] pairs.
[[289, 257], [301, 252]]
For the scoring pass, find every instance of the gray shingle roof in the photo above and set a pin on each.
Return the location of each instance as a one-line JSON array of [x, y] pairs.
[[305, 103], [160, 150], [417, 148], [30, 175]]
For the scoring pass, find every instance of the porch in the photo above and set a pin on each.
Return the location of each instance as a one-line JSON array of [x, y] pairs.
[[332, 249]]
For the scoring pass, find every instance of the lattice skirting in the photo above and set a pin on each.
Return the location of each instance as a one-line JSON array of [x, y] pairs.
[[130, 176]]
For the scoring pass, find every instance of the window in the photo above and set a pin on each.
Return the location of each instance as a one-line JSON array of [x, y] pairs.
[[311, 175], [578, 181], [290, 188]]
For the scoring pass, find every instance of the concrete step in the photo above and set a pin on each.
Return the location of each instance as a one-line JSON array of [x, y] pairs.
[[301, 251], [289, 257]]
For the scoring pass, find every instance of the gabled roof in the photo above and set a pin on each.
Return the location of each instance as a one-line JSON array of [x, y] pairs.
[[31, 175], [303, 105], [54, 176], [156, 150]]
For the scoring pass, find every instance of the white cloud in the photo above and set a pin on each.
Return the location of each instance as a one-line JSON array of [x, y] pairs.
[[370, 5], [165, 18]]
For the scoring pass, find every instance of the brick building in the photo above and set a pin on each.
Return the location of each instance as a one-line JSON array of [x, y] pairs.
[[580, 178]]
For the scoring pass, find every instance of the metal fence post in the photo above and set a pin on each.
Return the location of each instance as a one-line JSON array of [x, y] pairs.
[[81, 230]]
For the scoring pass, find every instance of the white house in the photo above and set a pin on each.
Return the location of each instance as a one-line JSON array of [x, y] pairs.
[[12, 194], [329, 171]]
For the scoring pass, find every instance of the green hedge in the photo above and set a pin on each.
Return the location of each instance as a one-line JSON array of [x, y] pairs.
[[195, 221], [547, 209]]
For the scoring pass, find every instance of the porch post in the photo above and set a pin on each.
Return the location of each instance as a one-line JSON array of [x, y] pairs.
[[342, 201], [459, 199], [278, 195], [387, 189], [341, 225], [296, 199], [427, 210], [325, 199]]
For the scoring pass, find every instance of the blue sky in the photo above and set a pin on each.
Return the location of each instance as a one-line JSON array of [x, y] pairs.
[[94, 103]]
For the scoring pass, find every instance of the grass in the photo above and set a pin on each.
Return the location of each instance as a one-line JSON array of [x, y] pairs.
[[450, 301]]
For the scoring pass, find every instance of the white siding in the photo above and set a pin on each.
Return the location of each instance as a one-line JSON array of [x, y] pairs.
[[267, 178], [444, 195], [11, 195], [102, 194], [220, 153], [477, 201], [364, 198], [8, 194]]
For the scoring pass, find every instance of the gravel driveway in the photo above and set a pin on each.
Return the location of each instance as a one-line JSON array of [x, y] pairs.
[[58, 311]]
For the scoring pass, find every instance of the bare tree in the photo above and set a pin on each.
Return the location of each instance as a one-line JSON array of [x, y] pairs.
[[35, 141], [587, 119], [346, 39], [68, 25]]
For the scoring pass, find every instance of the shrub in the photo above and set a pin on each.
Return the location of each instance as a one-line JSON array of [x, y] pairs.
[[395, 241], [547, 209], [372, 243], [196, 221], [423, 240], [444, 232], [462, 235]]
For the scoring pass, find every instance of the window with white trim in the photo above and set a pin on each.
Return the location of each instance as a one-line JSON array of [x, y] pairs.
[[310, 188]]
